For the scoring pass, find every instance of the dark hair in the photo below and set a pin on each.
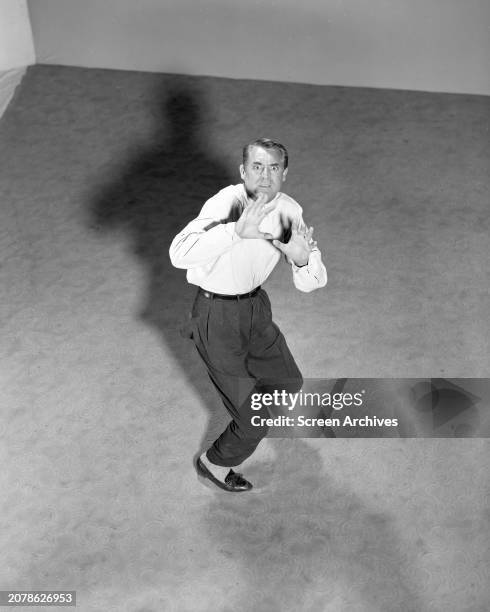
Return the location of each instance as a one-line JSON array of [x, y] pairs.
[[266, 143]]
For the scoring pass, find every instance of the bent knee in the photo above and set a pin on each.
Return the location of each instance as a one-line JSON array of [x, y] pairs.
[[296, 384], [288, 385], [258, 428]]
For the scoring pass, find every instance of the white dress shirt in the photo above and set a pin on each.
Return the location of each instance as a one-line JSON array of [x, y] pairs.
[[218, 260]]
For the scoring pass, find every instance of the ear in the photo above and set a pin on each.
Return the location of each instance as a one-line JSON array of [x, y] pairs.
[[242, 172], [284, 174]]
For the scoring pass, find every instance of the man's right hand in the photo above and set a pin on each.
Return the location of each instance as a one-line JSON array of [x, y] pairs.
[[247, 225]]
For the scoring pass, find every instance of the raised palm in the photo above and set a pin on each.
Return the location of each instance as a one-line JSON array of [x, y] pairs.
[[300, 245], [247, 225]]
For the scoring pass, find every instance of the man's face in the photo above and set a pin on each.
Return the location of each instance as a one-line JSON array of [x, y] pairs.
[[264, 172]]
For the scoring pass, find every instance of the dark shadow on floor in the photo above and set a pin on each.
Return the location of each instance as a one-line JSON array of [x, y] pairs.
[[161, 189], [301, 540]]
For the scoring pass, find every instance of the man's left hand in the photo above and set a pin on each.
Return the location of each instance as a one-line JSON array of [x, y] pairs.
[[300, 245]]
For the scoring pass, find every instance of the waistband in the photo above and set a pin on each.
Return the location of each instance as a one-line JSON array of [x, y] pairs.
[[219, 296]]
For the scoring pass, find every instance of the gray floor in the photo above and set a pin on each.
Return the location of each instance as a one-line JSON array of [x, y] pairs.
[[105, 404]]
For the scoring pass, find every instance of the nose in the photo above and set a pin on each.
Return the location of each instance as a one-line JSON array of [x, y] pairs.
[[266, 172]]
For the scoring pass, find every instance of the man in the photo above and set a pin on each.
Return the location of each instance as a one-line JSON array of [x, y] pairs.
[[229, 250]]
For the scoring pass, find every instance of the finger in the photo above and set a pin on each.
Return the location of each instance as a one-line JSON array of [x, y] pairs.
[[270, 206], [265, 210], [255, 202], [303, 226], [279, 245], [256, 209], [260, 199]]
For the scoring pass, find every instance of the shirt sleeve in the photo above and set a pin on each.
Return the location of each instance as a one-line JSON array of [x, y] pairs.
[[206, 237], [314, 274]]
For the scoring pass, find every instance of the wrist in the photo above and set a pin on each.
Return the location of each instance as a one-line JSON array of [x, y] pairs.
[[300, 264]]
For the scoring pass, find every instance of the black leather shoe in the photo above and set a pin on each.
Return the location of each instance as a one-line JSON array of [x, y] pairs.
[[234, 483]]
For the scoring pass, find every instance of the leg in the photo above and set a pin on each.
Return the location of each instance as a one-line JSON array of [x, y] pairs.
[[221, 334], [270, 361], [240, 439]]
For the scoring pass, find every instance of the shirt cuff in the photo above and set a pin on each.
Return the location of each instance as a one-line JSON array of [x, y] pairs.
[[314, 272], [296, 268]]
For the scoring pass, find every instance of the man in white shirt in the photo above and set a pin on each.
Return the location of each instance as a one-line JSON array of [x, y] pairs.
[[229, 250]]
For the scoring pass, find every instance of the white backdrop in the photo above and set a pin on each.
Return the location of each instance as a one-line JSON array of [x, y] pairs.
[[16, 47], [16, 44], [432, 45]]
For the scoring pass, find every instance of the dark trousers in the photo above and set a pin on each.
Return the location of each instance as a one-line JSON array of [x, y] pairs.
[[245, 353]]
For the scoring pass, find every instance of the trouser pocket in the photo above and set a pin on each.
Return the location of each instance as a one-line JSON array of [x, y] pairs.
[[195, 326], [188, 328]]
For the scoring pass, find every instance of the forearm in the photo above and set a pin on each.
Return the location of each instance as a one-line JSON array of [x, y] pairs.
[[200, 242]]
